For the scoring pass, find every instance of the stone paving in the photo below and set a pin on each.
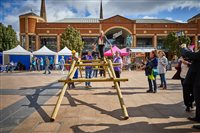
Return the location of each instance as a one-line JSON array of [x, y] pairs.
[[28, 98]]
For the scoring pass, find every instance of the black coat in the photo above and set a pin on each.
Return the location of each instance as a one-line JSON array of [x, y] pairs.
[[193, 75]]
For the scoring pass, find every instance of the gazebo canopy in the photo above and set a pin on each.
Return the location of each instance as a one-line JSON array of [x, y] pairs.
[[65, 51], [44, 51], [17, 51], [114, 49]]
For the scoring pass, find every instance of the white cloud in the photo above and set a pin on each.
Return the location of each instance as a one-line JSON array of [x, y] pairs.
[[149, 17], [169, 18]]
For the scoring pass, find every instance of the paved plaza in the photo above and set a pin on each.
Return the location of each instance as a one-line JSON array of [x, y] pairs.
[[28, 99]]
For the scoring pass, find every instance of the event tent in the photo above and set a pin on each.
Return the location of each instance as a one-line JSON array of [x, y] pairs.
[[114, 49], [64, 52], [1, 61], [18, 54], [43, 52]]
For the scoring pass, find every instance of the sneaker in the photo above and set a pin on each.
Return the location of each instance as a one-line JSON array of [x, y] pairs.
[[155, 91], [160, 86], [89, 86], [86, 86]]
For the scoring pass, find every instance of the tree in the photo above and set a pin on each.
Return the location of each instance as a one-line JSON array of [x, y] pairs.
[[8, 37], [71, 38], [172, 43]]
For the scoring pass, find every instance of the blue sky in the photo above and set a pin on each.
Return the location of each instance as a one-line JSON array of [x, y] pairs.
[[176, 10]]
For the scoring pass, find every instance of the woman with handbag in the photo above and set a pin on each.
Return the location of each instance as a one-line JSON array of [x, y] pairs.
[[151, 72]]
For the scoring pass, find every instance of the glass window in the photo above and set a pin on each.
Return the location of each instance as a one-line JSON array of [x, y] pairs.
[[88, 41], [49, 41], [31, 43], [144, 42]]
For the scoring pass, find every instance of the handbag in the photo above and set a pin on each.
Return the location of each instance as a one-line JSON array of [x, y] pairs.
[[155, 72]]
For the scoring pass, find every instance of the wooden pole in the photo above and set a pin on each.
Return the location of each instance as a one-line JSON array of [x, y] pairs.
[[62, 93], [107, 68], [94, 80], [124, 110]]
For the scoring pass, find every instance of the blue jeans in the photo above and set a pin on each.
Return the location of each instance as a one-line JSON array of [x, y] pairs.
[[88, 74], [152, 87], [163, 80]]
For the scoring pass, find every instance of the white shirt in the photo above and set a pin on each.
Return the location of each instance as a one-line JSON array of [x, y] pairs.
[[184, 70]]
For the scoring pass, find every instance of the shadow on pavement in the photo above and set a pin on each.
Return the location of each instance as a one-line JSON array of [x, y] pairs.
[[139, 127]]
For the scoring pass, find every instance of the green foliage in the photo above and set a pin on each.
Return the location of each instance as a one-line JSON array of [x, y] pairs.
[[8, 37], [71, 38], [172, 43]]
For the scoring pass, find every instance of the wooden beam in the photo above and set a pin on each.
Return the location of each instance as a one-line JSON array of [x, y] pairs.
[[94, 80], [94, 64], [62, 93], [119, 93]]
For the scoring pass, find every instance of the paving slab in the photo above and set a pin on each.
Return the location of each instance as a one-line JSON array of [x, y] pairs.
[[29, 99]]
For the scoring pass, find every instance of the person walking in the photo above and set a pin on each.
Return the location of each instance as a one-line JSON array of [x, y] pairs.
[[193, 77], [101, 40], [188, 97], [47, 64], [62, 64], [88, 70], [162, 66], [151, 72], [51, 63]]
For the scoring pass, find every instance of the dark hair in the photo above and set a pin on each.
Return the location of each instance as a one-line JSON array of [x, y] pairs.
[[154, 53]]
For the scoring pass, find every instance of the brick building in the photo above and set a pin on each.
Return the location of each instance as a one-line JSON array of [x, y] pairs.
[[35, 31]]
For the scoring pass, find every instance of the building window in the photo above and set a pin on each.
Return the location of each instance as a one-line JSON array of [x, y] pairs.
[[31, 43], [160, 43], [49, 41], [144, 42], [88, 41]]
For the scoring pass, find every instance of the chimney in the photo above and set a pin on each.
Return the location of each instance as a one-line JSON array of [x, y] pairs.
[[43, 10], [101, 10]]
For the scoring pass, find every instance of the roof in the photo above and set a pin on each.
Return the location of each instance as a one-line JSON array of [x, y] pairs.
[[17, 51], [65, 51], [44, 51], [196, 16], [96, 20], [79, 20], [30, 14], [154, 21]]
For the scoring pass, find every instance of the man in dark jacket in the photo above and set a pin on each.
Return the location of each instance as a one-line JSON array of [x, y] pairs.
[[193, 77], [101, 40]]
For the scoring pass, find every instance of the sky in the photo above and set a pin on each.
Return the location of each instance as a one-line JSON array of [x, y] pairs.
[[176, 10]]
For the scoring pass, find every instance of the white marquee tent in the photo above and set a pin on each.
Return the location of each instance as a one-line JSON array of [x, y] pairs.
[[17, 54]]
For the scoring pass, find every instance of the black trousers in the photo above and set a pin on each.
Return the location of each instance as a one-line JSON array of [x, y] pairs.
[[101, 51], [188, 96], [117, 73], [152, 85], [196, 92]]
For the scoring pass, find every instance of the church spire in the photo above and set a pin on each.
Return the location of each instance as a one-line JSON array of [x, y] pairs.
[[43, 10], [101, 10]]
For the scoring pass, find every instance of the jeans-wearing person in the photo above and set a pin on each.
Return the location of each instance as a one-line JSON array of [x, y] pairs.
[[88, 70], [88, 75], [162, 66], [163, 81]]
